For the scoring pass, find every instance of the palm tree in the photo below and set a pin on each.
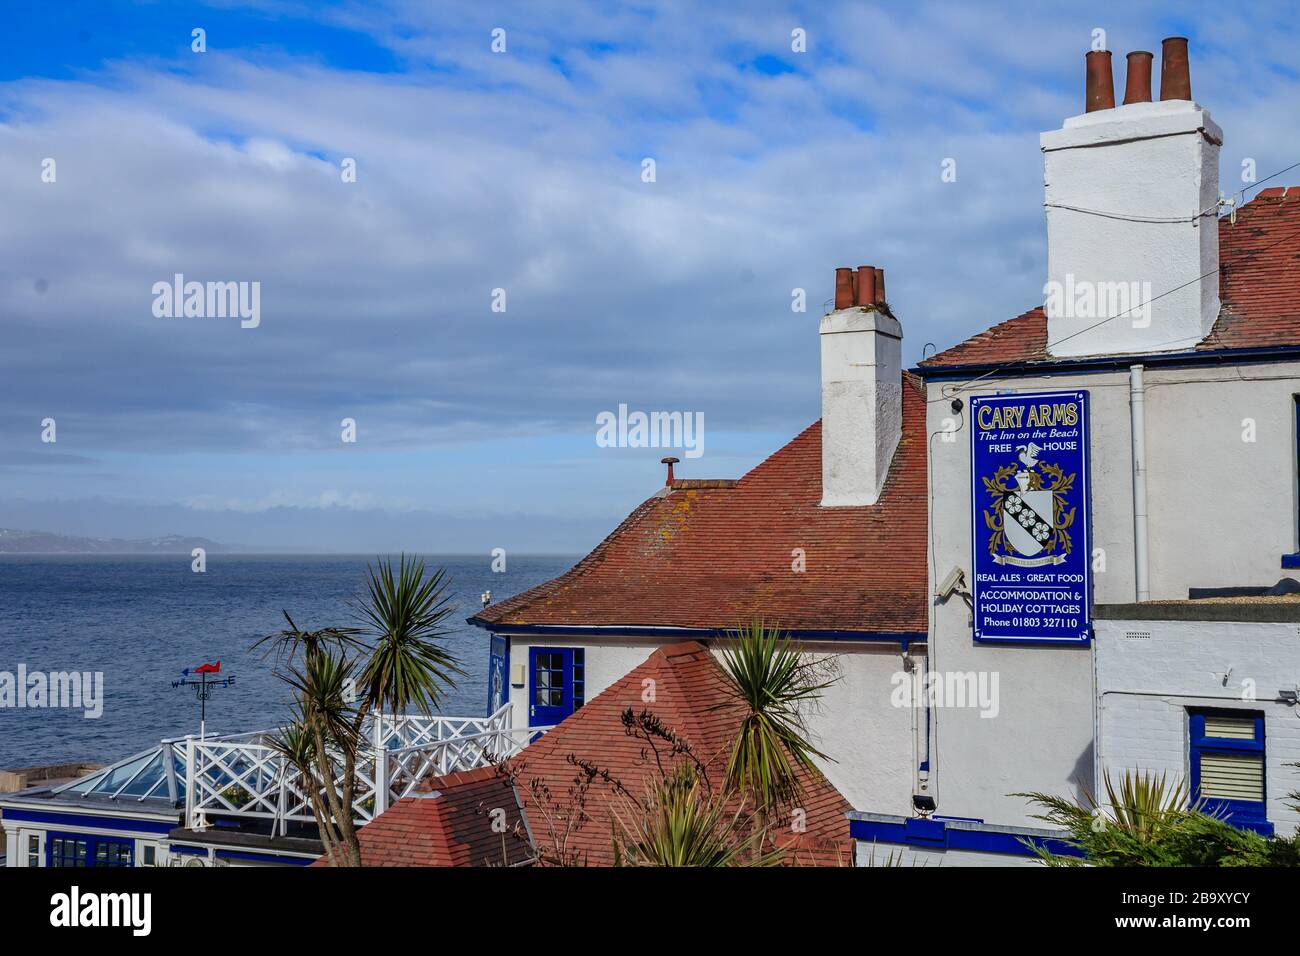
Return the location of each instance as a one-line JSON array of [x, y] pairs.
[[393, 661], [682, 823], [1147, 820], [773, 683]]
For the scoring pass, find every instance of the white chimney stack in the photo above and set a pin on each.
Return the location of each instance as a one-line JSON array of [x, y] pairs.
[[862, 390], [1132, 199]]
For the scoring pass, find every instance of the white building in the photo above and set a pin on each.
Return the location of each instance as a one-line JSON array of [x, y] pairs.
[[1205, 691], [1132, 440]]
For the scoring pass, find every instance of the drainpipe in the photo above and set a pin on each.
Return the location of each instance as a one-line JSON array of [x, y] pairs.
[[1137, 407]]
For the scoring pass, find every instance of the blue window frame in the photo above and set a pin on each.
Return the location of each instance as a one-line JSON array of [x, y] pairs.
[[1228, 770], [557, 683], [87, 850], [1293, 560]]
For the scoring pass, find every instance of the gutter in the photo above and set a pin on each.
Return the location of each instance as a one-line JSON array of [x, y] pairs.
[[1110, 363], [902, 638]]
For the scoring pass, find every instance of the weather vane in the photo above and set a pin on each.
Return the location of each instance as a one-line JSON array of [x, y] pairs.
[[203, 688]]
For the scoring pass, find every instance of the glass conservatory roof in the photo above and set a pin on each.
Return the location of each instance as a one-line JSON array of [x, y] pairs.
[[155, 774]]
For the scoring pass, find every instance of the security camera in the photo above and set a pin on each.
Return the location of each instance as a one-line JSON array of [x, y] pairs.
[[952, 584]]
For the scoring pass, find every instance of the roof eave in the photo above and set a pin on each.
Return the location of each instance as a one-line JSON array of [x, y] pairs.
[[1104, 363], [694, 633]]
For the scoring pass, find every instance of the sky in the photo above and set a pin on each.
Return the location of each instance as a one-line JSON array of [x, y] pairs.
[[521, 169]]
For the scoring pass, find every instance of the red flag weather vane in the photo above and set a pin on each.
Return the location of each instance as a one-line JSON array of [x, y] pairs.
[[203, 687]]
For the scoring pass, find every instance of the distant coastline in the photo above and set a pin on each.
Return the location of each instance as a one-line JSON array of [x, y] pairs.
[[13, 541]]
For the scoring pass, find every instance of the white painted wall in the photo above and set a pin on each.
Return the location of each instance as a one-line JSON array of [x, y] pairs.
[[1222, 513], [888, 854], [869, 740], [1151, 160], [1146, 684]]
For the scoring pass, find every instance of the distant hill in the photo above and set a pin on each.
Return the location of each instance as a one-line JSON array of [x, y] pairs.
[[43, 542]]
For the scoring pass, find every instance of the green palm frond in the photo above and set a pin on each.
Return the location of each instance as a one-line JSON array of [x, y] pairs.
[[296, 745], [290, 642], [324, 690], [772, 683], [404, 614], [1148, 820], [682, 824]]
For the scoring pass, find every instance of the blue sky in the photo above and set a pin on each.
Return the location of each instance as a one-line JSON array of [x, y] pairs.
[[518, 170]]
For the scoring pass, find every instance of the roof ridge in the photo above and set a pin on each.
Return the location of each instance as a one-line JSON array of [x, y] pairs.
[[587, 564]]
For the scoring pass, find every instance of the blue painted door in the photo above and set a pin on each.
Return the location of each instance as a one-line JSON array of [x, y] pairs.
[[556, 684], [87, 850]]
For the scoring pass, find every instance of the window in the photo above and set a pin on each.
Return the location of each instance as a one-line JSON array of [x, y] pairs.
[[65, 849], [33, 850], [150, 855], [68, 851], [1293, 560], [559, 683], [113, 853], [548, 680], [1227, 763]]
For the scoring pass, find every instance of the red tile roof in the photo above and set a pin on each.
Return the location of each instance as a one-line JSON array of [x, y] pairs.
[[1259, 287], [716, 554], [449, 824], [690, 697]]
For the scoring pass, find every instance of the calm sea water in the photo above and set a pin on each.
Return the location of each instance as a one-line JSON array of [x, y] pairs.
[[141, 619]]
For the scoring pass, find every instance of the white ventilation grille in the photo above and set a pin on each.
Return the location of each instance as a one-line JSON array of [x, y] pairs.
[[1232, 777], [1234, 728], [1137, 635]]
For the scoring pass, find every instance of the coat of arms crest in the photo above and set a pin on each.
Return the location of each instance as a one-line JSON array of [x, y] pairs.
[[1028, 519]]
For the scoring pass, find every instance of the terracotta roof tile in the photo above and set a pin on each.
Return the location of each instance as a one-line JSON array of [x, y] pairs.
[[691, 698], [1259, 288], [453, 828], [716, 554]]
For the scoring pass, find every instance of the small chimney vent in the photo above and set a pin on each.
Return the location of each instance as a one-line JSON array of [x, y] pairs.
[[866, 288], [1137, 88], [1100, 94], [670, 461], [1175, 73]]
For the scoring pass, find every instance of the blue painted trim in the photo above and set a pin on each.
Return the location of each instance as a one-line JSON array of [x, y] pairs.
[[265, 857], [1291, 560], [1108, 363], [936, 834], [191, 850], [1244, 814], [688, 633], [88, 820], [504, 657]]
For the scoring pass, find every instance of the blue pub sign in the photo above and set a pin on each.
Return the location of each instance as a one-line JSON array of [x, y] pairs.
[[1030, 504]]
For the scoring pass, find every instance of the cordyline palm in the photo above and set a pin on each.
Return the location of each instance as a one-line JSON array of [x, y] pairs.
[[392, 662], [1149, 821], [682, 823], [768, 676]]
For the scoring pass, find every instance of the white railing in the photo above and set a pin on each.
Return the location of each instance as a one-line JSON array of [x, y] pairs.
[[241, 775]]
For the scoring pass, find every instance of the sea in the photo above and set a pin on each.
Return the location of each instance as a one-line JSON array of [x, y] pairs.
[[140, 620]]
